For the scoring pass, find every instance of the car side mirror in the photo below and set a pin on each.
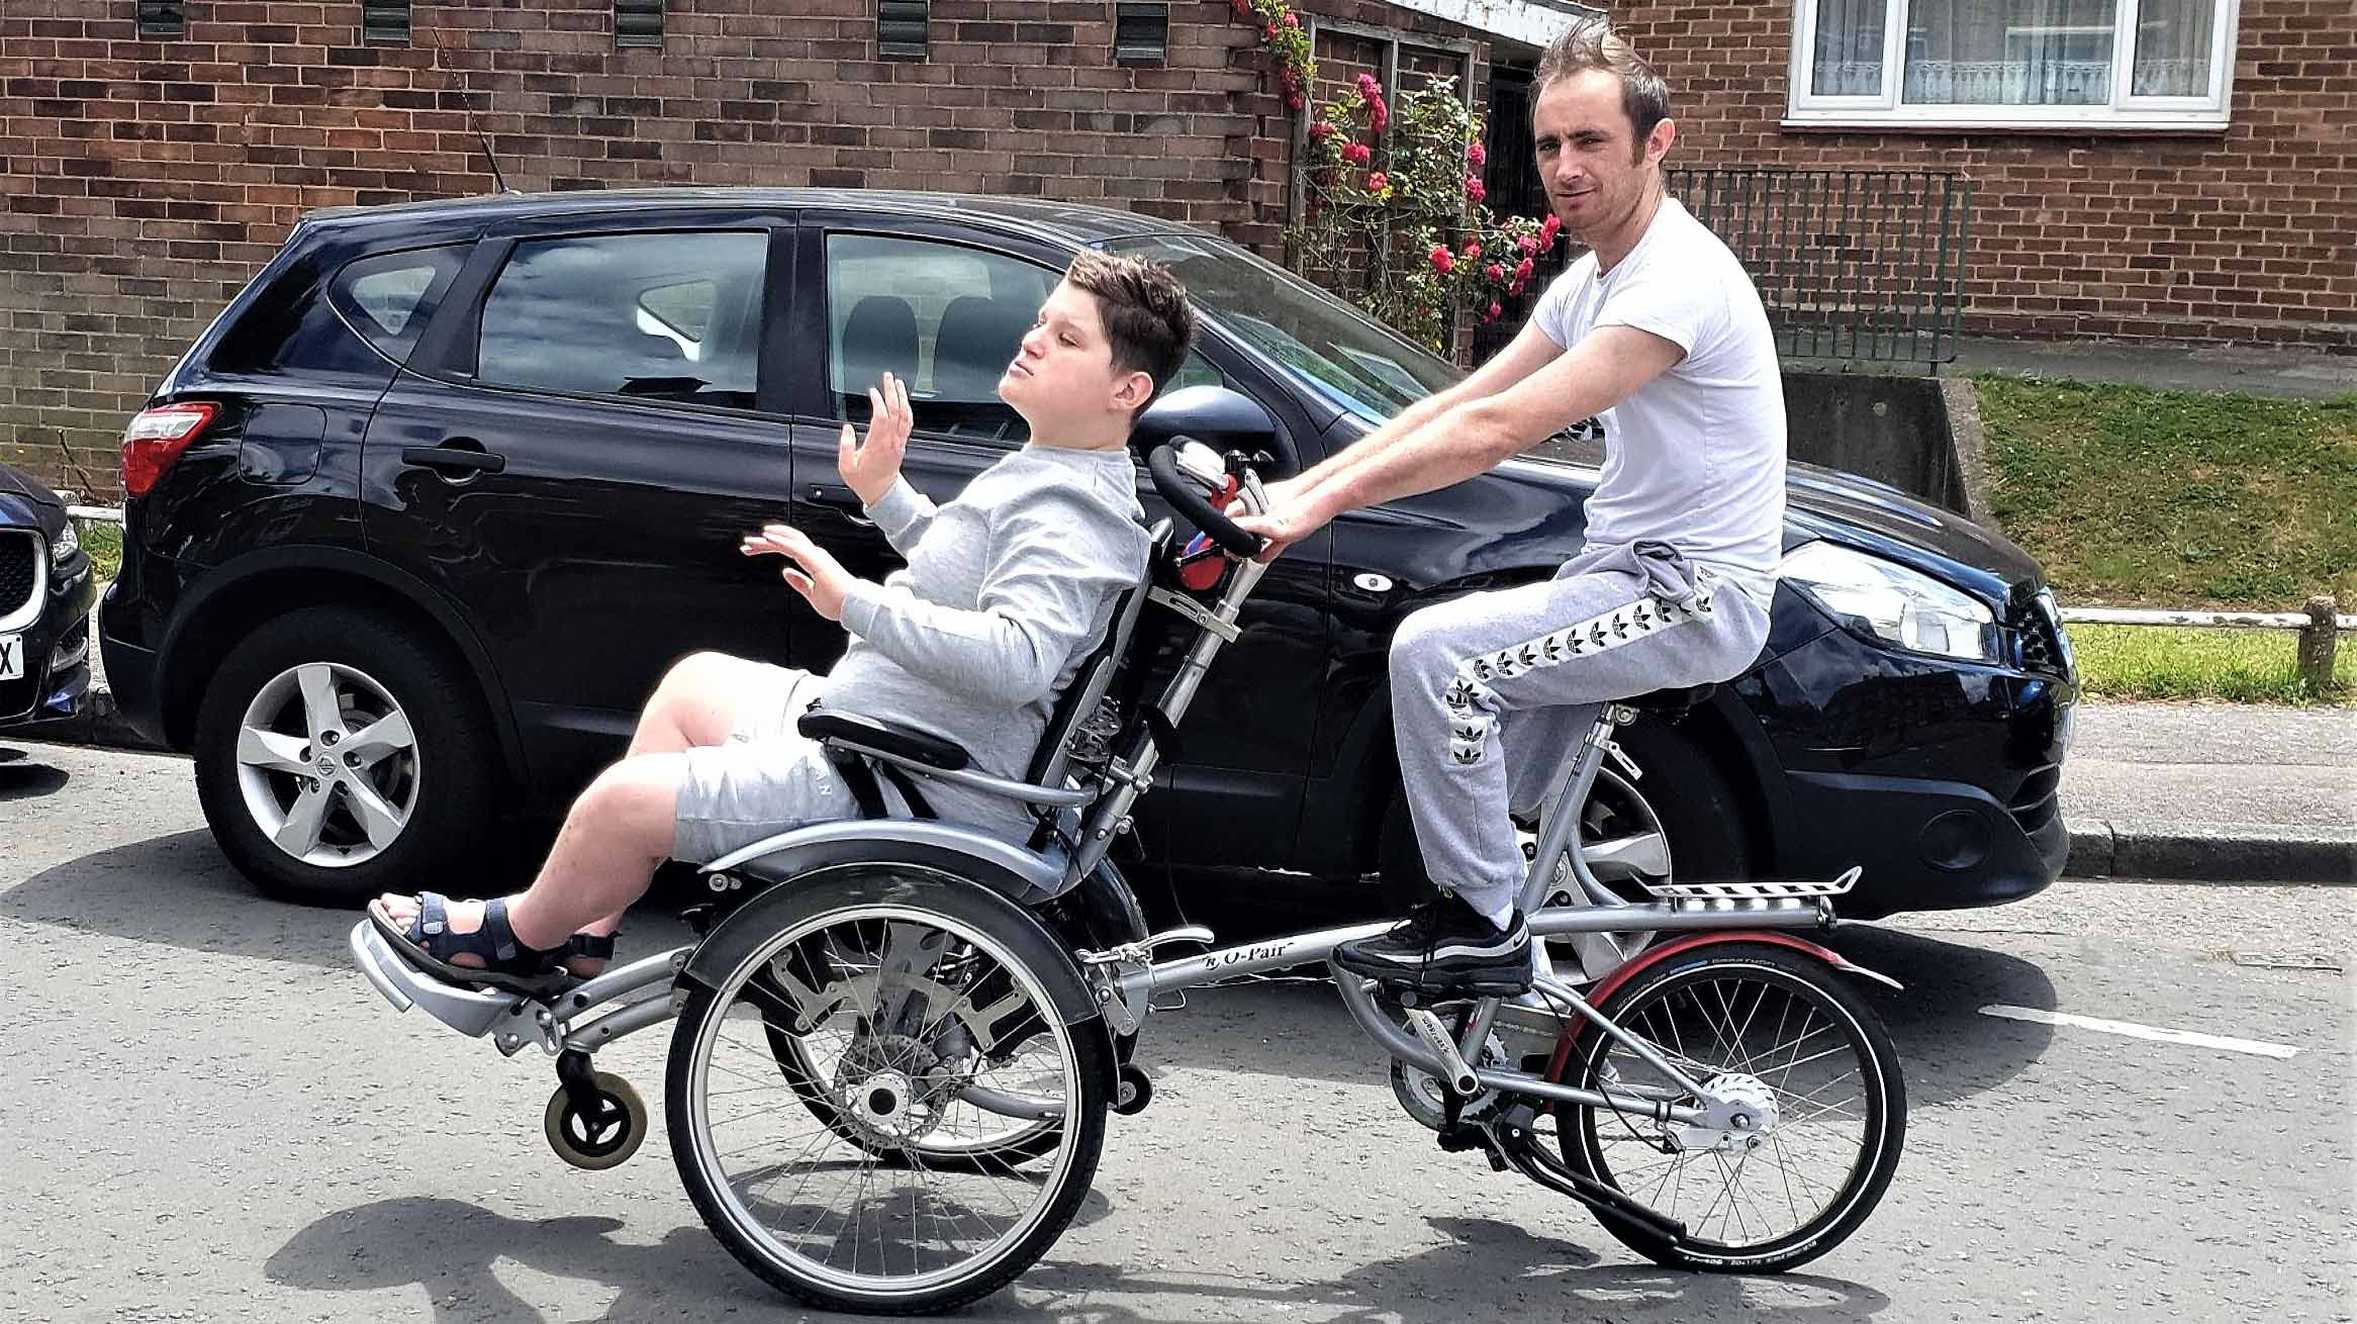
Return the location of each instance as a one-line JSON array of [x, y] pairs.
[[1224, 419]]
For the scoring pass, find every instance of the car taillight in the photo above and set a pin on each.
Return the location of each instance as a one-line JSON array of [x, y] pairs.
[[155, 438]]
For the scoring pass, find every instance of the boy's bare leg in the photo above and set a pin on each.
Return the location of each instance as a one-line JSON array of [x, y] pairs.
[[695, 704], [604, 858]]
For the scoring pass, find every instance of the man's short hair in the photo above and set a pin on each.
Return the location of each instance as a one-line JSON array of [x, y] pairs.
[[1145, 311], [1592, 44]]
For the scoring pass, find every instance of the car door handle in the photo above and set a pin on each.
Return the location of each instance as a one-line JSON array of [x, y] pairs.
[[843, 499], [452, 458]]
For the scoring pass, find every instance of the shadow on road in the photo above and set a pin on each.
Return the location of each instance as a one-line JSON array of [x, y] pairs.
[[1486, 1269], [23, 779]]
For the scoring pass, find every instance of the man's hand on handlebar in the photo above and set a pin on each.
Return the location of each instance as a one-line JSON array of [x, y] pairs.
[[1292, 515], [870, 470], [816, 575]]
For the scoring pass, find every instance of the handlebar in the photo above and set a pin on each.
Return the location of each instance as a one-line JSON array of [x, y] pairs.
[[1188, 500]]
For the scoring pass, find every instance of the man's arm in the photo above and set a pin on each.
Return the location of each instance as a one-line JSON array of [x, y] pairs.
[[1475, 435], [1530, 351]]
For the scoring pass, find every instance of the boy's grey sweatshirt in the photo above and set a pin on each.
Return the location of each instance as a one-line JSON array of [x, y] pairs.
[[1006, 589]]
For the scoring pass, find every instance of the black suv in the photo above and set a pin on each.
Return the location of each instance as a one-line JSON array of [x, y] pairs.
[[415, 526]]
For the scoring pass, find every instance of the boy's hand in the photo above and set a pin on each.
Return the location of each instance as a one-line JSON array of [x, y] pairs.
[[817, 576], [870, 470]]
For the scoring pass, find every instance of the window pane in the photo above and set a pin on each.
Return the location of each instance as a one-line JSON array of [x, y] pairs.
[[943, 319], [673, 316], [1848, 58], [2173, 48], [2009, 52]]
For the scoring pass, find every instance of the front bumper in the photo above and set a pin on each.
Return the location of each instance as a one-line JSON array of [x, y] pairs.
[[56, 680], [1940, 780]]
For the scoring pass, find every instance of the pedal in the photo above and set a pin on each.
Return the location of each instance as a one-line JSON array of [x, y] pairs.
[[1458, 1140]]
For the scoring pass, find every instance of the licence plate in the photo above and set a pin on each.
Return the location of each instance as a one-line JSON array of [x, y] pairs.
[[12, 656]]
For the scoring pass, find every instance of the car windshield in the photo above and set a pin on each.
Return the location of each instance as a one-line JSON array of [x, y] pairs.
[[1336, 350]]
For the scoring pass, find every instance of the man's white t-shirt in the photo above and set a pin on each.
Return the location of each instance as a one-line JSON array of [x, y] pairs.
[[1695, 457]]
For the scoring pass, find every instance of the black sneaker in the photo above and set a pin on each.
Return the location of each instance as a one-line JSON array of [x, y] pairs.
[[1446, 946]]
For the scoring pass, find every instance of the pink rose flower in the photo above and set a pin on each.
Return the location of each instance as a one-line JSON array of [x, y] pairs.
[[1441, 261]]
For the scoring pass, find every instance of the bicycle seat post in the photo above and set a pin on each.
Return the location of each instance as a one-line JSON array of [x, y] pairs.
[[1558, 831]]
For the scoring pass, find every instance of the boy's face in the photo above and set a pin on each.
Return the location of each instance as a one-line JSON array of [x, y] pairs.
[[1063, 375]]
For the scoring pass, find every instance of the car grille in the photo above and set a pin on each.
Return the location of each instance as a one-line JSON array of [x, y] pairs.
[[2038, 800], [18, 571], [2038, 625]]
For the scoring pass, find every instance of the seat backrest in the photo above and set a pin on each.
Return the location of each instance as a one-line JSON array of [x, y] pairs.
[[880, 336], [1089, 684], [977, 339]]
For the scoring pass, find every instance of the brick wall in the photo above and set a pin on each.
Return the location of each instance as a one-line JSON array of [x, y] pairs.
[[2245, 235], [147, 179]]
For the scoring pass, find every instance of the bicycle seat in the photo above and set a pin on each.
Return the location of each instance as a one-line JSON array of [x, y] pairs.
[[1669, 703]]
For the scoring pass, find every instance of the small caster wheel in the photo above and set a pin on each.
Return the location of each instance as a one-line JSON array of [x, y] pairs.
[[1133, 1091], [608, 1134]]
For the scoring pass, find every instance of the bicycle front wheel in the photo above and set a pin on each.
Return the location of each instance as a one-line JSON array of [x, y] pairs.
[[927, 1004], [1812, 1074]]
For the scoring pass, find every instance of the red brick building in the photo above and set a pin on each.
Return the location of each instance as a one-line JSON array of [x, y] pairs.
[[2181, 169], [157, 153]]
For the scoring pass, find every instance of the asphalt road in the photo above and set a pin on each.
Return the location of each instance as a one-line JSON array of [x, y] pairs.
[[206, 1114]]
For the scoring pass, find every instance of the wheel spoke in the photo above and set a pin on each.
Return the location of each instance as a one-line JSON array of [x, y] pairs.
[[373, 743], [272, 751], [299, 836], [1632, 858], [381, 821], [323, 712]]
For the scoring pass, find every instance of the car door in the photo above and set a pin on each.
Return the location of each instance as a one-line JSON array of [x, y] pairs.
[[944, 306], [573, 454]]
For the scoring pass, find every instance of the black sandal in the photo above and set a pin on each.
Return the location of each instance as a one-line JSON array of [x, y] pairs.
[[508, 964]]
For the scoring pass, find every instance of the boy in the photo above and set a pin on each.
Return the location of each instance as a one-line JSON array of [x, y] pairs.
[[1007, 588]]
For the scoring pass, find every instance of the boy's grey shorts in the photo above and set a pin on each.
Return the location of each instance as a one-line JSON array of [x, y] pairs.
[[768, 778]]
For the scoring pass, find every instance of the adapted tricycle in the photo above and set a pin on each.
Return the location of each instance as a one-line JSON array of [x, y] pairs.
[[898, 1039]]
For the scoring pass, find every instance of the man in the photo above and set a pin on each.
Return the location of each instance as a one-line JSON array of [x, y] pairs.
[[1656, 337], [1007, 589]]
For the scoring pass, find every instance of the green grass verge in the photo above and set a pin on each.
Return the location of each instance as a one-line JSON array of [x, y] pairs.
[[104, 543], [2176, 498], [2242, 666]]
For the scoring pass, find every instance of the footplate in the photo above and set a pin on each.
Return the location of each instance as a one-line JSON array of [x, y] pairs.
[[1755, 892], [471, 1012]]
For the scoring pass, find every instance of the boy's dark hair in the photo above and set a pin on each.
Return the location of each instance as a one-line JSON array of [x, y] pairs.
[[1145, 311], [1592, 44]]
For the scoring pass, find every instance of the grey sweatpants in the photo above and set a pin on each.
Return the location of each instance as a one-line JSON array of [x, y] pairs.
[[1492, 692]]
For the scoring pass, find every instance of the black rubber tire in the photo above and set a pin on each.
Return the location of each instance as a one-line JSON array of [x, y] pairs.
[[1886, 1121], [1093, 1071], [455, 754], [1700, 812]]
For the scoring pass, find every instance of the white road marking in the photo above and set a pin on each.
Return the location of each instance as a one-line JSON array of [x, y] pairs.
[[2134, 1031]]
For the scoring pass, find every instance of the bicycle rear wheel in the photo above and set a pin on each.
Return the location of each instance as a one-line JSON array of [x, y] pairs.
[[1817, 1079]]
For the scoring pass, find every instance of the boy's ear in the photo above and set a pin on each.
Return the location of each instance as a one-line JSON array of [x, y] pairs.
[[1134, 391]]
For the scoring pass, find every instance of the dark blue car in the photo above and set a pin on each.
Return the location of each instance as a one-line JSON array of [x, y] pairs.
[[45, 593], [416, 526]]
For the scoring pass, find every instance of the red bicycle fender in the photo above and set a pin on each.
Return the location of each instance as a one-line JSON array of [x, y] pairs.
[[1652, 956]]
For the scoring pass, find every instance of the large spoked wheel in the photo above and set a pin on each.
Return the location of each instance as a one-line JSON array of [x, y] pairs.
[[818, 1067], [1814, 1115], [859, 1174]]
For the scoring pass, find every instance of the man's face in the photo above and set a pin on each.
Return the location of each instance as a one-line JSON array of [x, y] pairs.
[[1594, 169], [1063, 372]]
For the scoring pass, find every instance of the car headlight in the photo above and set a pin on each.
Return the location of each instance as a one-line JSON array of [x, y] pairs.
[[65, 545], [1896, 604]]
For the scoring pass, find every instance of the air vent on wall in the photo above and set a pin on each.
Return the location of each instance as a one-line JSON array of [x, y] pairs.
[[1141, 32], [638, 22], [901, 28], [385, 22], [162, 18]]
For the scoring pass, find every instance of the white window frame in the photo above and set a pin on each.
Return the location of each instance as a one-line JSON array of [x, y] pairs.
[[2127, 112]]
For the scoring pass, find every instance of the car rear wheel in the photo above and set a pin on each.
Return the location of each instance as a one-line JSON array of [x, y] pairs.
[[337, 756]]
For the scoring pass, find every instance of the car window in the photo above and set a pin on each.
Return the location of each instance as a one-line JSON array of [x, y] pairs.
[[388, 298], [1334, 349], [946, 320], [666, 316]]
